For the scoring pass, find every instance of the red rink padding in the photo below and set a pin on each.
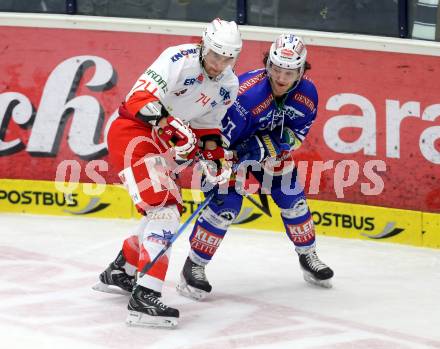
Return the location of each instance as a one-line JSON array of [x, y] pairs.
[[75, 82]]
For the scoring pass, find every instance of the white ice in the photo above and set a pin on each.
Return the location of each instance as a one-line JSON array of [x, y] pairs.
[[384, 295]]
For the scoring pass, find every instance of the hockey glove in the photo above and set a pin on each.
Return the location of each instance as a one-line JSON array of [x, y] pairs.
[[289, 137], [179, 136], [215, 165], [261, 147]]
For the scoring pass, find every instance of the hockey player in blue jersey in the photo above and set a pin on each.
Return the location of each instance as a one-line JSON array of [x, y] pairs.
[[274, 110]]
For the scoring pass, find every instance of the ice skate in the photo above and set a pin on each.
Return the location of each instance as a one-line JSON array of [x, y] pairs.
[[146, 309], [315, 271], [114, 279], [193, 282]]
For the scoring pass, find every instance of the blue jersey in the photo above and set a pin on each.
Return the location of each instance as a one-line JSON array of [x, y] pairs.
[[256, 110]]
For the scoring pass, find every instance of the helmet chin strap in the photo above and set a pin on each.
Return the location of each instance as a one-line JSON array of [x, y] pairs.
[[202, 61]]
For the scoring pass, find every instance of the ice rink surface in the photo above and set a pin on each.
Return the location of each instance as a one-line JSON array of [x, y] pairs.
[[384, 296]]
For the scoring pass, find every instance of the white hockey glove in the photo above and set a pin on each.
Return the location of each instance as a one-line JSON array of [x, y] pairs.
[[215, 165], [179, 136]]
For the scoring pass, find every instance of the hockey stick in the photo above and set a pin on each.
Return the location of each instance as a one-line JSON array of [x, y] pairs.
[[182, 228]]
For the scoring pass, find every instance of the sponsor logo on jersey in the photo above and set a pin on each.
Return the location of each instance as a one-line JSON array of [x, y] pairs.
[[189, 81], [240, 109], [262, 106], [200, 78], [213, 104], [303, 232], [181, 92], [226, 95], [246, 85], [158, 79], [205, 241], [304, 100], [183, 53]]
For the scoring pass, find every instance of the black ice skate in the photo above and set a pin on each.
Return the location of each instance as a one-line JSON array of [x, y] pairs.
[[193, 282], [146, 309], [315, 271], [114, 279]]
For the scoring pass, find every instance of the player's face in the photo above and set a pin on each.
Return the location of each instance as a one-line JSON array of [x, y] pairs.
[[214, 63], [282, 79]]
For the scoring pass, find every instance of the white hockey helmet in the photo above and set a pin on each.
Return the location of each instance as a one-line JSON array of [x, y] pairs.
[[288, 52], [222, 37]]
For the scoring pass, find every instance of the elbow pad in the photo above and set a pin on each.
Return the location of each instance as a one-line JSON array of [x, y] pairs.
[[152, 112]]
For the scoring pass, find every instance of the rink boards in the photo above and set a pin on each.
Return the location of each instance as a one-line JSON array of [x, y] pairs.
[[258, 212]]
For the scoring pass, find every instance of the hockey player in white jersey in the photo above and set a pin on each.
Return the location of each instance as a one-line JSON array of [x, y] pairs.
[[175, 107]]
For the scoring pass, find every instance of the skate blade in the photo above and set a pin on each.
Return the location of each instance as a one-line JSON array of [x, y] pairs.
[[308, 277], [136, 318], [102, 287], [188, 291]]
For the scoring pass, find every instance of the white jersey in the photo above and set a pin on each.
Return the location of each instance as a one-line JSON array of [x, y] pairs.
[[180, 83]]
